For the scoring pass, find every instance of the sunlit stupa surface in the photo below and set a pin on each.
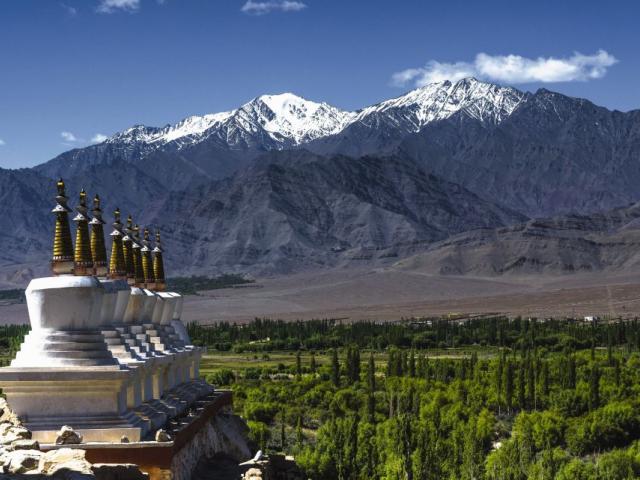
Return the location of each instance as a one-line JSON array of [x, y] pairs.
[[107, 352]]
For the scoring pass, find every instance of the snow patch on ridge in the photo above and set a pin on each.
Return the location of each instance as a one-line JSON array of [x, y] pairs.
[[483, 101], [287, 120]]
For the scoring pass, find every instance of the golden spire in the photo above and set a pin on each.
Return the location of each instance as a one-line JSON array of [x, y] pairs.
[[127, 244], [137, 257], [158, 265], [62, 260], [117, 265], [82, 256], [147, 264], [98, 249]]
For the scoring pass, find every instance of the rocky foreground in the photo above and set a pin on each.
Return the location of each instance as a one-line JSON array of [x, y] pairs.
[[225, 436]]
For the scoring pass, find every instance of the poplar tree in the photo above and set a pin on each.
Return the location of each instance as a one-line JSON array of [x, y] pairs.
[[299, 436], [571, 373], [508, 385], [521, 388], [282, 431], [498, 381], [335, 368], [298, 365], [313, 365], [594, 388], [371, 373], [531, 384], [412, 364], [545, 379]]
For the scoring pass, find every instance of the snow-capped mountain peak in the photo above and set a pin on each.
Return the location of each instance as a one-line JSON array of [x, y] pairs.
[[437, 101], [287, 120], [292, 119]]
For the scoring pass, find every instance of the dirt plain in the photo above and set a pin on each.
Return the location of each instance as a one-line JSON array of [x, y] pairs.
[[389, 294]]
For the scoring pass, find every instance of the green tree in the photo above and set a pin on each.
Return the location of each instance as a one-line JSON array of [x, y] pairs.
[[594, 387], [508, 385], [521, 386], [335, 368], [283, 440], [313, 366]]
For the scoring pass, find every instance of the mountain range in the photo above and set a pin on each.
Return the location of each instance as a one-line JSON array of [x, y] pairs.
[[283, 183]]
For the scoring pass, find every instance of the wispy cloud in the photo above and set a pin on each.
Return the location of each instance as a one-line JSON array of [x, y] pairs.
[[98, 138], [511, 69], [71, 11], [2, 142], [69, 137], [111, 6], [262, 8]]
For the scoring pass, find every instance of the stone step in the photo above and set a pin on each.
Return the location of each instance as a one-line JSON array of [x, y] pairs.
[[66, 345], [80, 354]]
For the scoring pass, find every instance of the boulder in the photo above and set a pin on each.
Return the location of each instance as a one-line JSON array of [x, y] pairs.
[[253, 474], [68, 436], [25, 445], [7, 415], [71, 459], [13, 433], [22, 461], [162, 436]]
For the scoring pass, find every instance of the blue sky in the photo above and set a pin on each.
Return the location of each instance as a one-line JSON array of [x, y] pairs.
[[74, 70]]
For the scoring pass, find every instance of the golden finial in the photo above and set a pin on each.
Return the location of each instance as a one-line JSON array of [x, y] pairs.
[[62, 259], [98, 249], [61, 188], [147, 264], [137, 257], [82, 257], [127, 244], [158, 264], [117, 264]]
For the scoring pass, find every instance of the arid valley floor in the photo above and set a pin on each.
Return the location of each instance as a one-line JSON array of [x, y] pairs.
[[391, 293]]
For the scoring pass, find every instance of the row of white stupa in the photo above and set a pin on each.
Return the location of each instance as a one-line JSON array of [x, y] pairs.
[[108, 359]]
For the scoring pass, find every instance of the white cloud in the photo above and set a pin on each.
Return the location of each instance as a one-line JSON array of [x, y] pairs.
[[71, 11], [98, 138], [262, 8], [2, 142], [69, 137], [111, 6], [511, 69]]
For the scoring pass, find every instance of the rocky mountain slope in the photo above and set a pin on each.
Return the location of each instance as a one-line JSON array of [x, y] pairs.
[[553, 154], [288, 211], [295, 210], [541, 154], [282, 183], [564, 244]]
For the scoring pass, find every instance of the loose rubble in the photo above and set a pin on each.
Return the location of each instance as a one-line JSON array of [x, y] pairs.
[[68, 436], [20, 455]]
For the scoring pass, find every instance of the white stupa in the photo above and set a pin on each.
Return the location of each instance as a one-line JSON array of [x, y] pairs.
[[107, 353]]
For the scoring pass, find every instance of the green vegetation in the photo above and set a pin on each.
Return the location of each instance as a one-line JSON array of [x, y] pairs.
[[11, 336], [194, 284], [15, 295], [488, 399]]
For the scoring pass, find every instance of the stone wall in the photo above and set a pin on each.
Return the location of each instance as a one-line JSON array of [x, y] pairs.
[[223, 434]]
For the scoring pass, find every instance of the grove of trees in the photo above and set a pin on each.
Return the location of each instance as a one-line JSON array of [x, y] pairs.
[[486, 399]]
